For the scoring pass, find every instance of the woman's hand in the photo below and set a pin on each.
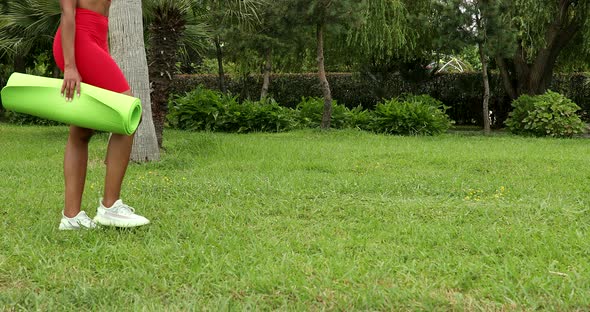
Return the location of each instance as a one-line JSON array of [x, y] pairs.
[[71, 83]]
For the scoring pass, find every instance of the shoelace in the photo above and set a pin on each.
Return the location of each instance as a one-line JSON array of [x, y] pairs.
[[85, 221], [125, 210]]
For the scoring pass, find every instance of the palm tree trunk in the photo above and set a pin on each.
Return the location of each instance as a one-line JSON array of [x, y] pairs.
[[325, 85], [165, 33], [128, 50], [267, 71]]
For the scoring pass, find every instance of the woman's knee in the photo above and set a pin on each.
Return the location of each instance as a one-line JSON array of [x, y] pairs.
[[81, 134]]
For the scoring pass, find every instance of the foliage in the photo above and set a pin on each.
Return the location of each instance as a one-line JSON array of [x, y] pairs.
[[389, 29], [550, 114], [257, 116], [311, 110], [532, 19], [413, 115], [460, 91], [357, 117], [27, 24], [226, 19], [198, 109], [194, 32], [203, 109]]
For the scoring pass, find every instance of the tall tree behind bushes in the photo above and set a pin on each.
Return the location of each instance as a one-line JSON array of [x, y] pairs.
[[321, 14], [268, 45], [395, 37], [224, 17], [543, 30], [479, 23]]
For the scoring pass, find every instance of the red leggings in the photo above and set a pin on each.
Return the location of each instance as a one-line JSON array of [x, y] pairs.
[[94, 63]]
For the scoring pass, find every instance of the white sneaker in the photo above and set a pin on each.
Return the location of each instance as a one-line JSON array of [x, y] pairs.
[[119, 215], [80, 221]]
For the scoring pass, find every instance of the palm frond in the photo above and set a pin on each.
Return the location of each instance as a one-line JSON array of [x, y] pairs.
[[27, 23], [196, 38]]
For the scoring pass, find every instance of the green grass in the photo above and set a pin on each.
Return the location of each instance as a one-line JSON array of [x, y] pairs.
[[305, 220]]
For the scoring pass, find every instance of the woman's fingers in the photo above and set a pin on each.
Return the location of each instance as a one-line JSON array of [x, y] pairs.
[[70, 87], [64, 86]]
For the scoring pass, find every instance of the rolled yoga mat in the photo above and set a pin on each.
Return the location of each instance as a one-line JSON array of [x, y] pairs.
[[96, 108]]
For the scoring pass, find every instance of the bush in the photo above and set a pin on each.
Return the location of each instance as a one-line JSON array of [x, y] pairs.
[[198, 110], [266, 115], [461, 91], [414, 115], [311, 111], [203, 109], [358, 117], [550, 114]]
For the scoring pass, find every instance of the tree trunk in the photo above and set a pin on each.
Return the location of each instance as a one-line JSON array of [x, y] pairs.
[[162, 58], [219, 51], [128, 50], [523, 77], [506, 78], [486, 87], [325, 85], [266, 75]]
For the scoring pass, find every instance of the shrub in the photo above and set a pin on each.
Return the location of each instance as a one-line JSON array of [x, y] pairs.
[[265, 115], [199, 109], [311, 111], [550, 114], [414, 115], [358, 117], [203, 109]]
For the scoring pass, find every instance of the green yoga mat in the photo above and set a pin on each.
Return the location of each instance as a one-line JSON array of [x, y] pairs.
[[96, 108]]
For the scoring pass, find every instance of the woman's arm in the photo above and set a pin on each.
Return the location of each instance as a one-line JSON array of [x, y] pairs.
[[72, 78]]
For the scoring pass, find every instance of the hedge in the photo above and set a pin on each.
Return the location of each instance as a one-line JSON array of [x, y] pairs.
[[463, 92]]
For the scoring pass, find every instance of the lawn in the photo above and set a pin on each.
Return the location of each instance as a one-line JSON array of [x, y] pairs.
[[305, 220]]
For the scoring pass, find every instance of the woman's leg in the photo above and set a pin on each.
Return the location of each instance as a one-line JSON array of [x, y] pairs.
[[75, 164], [117, 159]]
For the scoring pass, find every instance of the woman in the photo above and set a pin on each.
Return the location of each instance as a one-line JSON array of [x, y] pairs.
[[81, 51]]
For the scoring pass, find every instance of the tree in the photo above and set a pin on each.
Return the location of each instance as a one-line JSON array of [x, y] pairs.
[[543, 30], [166, 24], [128, 50], [224, 17], [387, 30], [255, 49], [393, 37], [476, 22], [320, 14], [171, 28], [268, 37]]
